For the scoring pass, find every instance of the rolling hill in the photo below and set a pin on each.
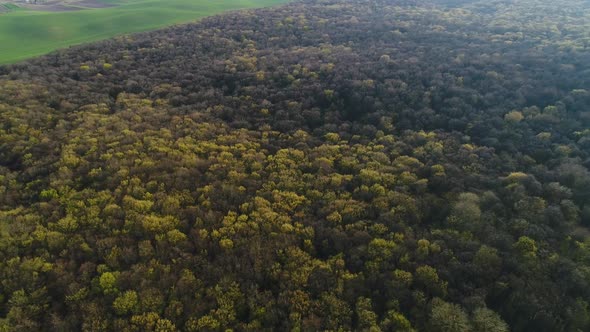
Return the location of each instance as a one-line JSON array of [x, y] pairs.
[[27, 33]]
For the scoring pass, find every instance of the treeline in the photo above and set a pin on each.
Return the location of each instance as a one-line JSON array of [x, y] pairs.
[[324, 165]]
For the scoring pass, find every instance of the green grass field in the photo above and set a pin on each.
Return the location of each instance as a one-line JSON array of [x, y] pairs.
[[27, 33]]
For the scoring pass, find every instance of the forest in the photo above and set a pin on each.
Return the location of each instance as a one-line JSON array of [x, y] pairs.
[[325, 165]]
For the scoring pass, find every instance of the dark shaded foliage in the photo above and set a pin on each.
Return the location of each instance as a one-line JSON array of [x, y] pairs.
[[323, 165]]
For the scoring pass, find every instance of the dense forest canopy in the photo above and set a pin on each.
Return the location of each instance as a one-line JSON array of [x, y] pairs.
[[325, 165]]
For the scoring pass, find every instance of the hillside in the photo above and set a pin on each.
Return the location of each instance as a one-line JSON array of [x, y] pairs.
[[323, 165]]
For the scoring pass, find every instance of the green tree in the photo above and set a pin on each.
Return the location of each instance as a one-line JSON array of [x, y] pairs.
[[526, 246], [488, 263], [427, 277], [448, 317], [486, 320], [126, 302], [395, 321], [466, 212], [108, 283], [366, 317]]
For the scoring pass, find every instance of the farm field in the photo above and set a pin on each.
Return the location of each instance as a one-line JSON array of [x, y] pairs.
[[26, 33]]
